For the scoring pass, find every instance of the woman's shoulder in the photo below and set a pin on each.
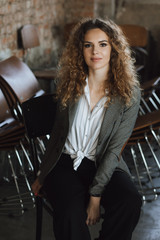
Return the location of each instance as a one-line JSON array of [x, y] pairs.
[[136, 94]]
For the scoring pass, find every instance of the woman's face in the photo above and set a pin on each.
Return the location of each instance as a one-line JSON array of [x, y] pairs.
[[96, 49]]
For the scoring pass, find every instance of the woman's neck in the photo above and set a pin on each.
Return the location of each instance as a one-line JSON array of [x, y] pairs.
[[96, 80]]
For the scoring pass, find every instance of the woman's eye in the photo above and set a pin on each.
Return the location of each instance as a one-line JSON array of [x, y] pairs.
[[87, 45], [103, 44]]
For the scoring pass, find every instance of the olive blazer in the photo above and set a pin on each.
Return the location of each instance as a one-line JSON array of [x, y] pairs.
[[117, 126]]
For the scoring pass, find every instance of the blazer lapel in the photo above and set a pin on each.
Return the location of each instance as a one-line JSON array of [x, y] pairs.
[[110, 117]]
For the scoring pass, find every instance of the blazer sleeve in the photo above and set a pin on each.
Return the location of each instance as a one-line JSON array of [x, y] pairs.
[[111, 156]]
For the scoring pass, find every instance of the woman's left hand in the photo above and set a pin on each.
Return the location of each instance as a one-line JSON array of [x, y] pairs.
[[93, 210]]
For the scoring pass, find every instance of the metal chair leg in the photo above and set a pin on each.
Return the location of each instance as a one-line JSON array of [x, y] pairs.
[[26, 155], [148, 171], [153, 153], [155, 136], [39, 216], [24, 174], [134, 157], [11, 202]]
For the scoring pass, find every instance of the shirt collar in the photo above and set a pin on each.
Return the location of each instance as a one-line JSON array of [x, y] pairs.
[[86, 88], [87, 94]]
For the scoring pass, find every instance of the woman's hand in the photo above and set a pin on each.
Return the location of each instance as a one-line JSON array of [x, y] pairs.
[[36, 186], [93, 210]]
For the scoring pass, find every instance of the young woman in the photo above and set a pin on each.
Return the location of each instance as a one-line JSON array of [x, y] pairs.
[[98, 100]]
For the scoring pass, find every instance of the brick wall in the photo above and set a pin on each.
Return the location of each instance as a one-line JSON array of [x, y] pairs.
[[76, 9], [49, 16], [44, 14]]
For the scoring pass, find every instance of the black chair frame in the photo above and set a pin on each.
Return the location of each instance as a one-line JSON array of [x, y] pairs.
[[39, 115]]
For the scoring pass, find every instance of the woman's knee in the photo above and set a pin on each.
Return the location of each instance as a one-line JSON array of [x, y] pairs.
[[133, 201]]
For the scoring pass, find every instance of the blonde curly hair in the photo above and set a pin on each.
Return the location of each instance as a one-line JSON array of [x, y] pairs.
[[72, 69]]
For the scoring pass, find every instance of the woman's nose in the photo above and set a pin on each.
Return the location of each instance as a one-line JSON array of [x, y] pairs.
[[95, 49]]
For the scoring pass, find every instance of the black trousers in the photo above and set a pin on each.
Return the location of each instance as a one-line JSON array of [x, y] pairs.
[[67, 191]]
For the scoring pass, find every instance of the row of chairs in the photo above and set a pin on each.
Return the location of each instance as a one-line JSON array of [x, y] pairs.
[[143, 147], [25, 123], [28, 38], [17, 84]]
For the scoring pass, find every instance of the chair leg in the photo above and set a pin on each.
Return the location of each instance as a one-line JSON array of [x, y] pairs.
[[156, 97], [146, 105], [153, 103], [10, 203], [41, 145], [141, 110], [134, 157], [151, 149], [24, 174], [39, 216], [153, 188], [155, 136], [26, 155]]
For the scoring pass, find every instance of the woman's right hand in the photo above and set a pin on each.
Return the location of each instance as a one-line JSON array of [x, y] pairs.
[[36, 186]]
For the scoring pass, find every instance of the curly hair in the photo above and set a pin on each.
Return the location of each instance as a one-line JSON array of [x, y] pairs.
[[72, 69]]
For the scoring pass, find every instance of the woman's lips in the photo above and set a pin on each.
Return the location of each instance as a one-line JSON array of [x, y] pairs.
[[95, 59]]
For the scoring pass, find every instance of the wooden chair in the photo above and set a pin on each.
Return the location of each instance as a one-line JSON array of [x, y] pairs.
[[39, 114], [12, 137], [29, 38], [139, 40], [18, 84], [18, 76]]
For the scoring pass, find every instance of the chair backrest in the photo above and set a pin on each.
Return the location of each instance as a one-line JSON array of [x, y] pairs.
[[29, 36], [11, 131], [5, 111], [18, 76], [136, 35], [39, 114], [139, 40]]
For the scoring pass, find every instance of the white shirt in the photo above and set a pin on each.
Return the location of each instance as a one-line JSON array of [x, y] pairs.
[[83, 136]]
